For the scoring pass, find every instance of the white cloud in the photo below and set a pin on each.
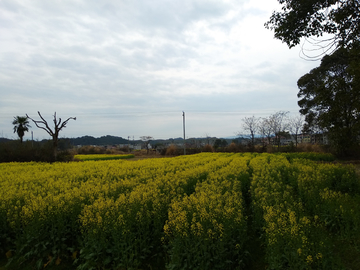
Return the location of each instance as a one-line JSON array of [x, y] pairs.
[[132, 67]]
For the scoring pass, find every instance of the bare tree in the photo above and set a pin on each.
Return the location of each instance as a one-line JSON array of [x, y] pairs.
[[265, 129], [278, 124], [251, 125], [296, 124], [208, 138], [146, 140], [58, 125]]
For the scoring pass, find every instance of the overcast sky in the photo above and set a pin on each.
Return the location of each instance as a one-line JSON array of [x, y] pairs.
[[131, 67]]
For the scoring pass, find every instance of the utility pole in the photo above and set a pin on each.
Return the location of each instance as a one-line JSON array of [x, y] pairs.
[[184, 133]]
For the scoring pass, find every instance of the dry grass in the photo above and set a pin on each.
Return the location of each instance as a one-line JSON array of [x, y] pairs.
[[171, 150], [208, 148], [308, 147], [232, 147]]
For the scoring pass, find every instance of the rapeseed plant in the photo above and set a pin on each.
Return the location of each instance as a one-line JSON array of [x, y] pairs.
[[192, 208]]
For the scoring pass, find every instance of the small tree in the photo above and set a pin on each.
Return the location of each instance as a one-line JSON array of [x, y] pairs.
[[224, 143], [21, 125], [295, 126], [251, 125], [218, 143], [278, 124], [208, 138], [146, 140], [58, 125], [265, 130]]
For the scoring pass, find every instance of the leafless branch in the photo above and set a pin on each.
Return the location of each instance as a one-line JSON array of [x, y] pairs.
[[43, 122]]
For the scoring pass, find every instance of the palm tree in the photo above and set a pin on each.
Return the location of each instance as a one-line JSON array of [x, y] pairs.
[[21, 124]]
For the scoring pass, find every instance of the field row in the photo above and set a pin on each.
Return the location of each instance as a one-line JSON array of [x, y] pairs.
[[190, 212]]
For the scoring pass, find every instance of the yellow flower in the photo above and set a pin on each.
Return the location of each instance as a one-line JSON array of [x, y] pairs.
[[309, 259]]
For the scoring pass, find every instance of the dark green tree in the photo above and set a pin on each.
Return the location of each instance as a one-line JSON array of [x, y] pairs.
[[330, 98], [21, 125], [217, 144], [224, 143], [314, 18]]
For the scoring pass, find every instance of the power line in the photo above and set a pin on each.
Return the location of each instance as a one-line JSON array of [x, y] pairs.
[[140, 113]]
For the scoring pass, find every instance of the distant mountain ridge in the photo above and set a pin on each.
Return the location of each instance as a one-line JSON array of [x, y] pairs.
[[115, 140], [103, 140]]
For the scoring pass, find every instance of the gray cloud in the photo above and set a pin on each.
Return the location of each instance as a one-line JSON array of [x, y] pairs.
[[131, 67]]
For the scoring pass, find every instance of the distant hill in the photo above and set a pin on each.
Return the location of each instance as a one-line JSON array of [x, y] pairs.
[[4, 140], [104, 140], [114, 140]]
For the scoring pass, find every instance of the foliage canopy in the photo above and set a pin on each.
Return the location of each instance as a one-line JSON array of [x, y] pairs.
[[330, 97], [21, 125], [307, 18]]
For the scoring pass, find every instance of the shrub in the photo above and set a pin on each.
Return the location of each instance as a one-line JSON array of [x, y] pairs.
[[14, 151], [171, 150], [308, 147], [88, 149], [208, 148], [125, 149], [269, 148]]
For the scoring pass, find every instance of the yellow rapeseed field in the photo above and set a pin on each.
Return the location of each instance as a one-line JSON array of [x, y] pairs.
[[189, 212]]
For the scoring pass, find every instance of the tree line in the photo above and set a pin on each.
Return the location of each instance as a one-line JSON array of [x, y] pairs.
[[277, 125]]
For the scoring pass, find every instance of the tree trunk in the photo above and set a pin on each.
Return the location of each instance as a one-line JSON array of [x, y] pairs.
[[55, 145]]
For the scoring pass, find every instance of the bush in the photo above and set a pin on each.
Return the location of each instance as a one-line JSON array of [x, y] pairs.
[[65, 156], [208, 148], [233, 148], [171, 150], [308, 147], [125, 149], [14, 151], [88, 149]]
